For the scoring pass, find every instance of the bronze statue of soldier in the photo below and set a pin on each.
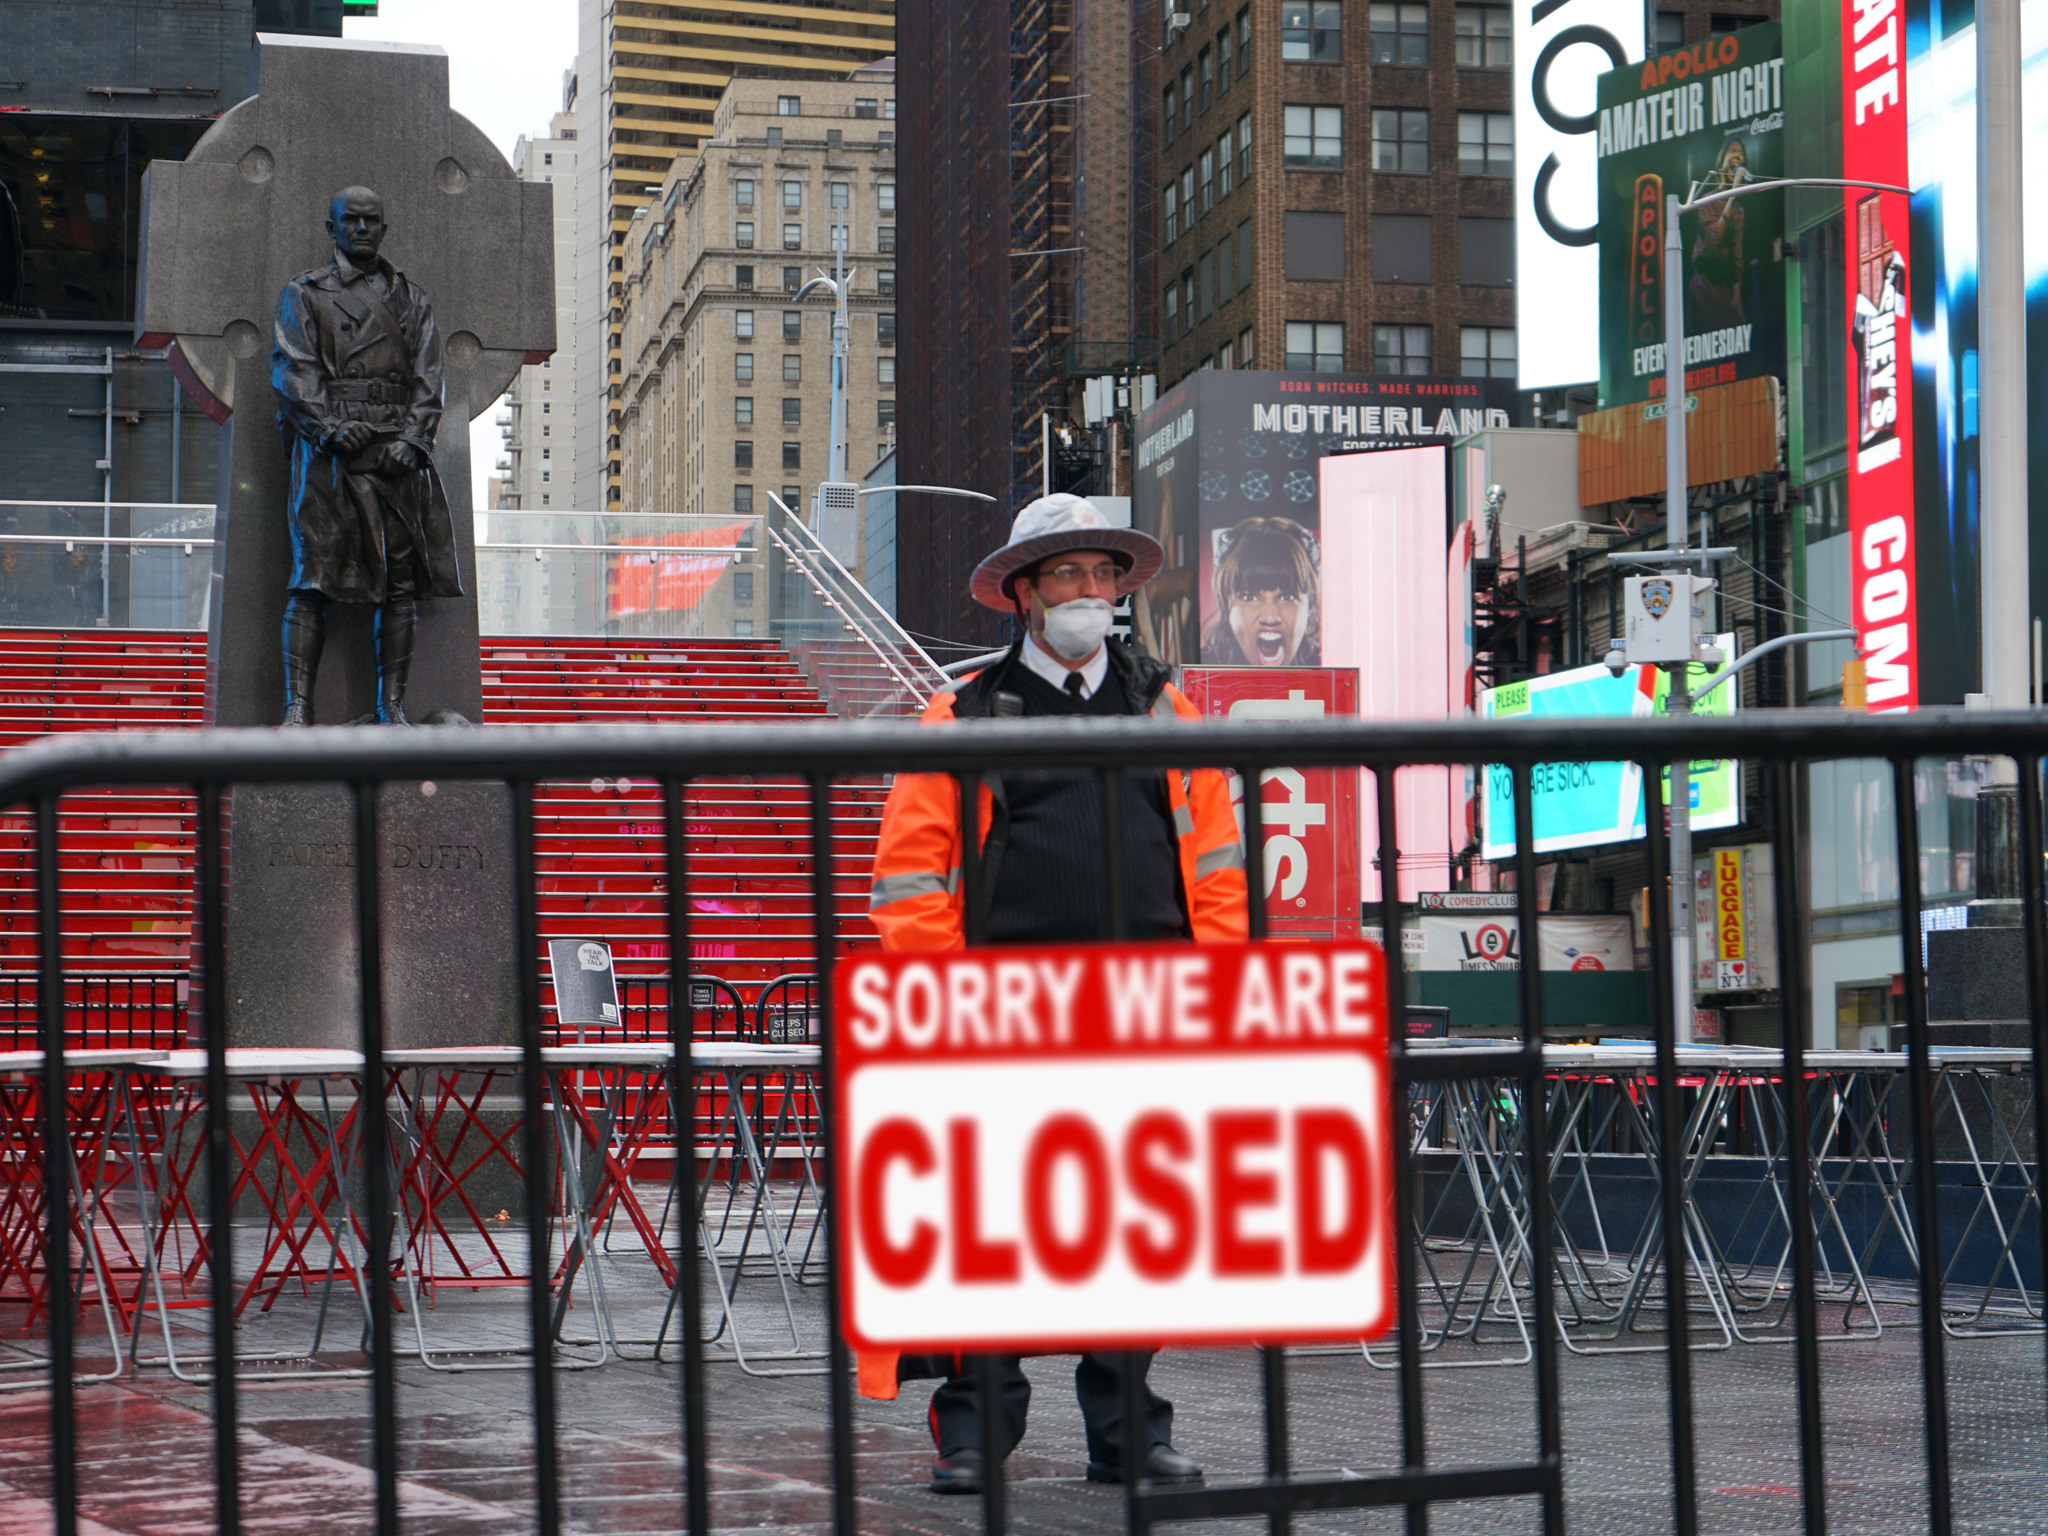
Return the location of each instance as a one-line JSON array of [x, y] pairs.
[[356, 364]]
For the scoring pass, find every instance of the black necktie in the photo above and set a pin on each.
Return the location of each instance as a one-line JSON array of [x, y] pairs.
[[1075, 685]]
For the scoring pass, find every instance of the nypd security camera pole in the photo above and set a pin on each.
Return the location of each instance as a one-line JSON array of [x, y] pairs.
[[1664, 610]]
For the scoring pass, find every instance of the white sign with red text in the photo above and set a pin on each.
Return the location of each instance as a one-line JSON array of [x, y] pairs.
[[1102, 1145]]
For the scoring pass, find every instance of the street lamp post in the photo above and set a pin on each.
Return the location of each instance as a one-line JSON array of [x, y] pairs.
[[1679, 558]]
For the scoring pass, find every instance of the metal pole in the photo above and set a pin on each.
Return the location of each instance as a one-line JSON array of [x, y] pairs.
[[1045, 453], [1679, 803], [177, 439], [836, 467], [107, 502], [2002, 358]]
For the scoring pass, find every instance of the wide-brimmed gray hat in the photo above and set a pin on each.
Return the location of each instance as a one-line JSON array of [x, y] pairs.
[[1053, 524]]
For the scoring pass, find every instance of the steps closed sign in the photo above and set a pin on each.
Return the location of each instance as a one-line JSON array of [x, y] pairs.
[[1107, 1145]]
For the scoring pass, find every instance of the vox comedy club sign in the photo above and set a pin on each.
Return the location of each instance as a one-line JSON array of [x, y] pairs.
[[1109, 1145]]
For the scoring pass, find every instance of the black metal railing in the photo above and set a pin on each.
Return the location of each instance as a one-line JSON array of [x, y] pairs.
[[364, 759]]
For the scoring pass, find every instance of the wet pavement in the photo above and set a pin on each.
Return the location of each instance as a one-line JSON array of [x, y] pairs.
[[466, 1439]]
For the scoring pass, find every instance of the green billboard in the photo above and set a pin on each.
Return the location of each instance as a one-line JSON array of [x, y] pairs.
[[1708, 117], [1585, 804]]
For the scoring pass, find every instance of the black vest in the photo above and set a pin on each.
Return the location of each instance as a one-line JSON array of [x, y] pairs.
[[1050, 886]]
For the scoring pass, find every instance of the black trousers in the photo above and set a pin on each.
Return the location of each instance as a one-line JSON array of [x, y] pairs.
[[1098, 1383]]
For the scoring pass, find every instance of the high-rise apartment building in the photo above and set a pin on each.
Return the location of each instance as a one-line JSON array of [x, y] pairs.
[[539, 415], [726, 394], [650, 76], [1334, 183]]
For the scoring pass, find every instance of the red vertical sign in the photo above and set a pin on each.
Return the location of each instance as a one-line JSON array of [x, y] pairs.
[[1881, 565], [1310, 814]]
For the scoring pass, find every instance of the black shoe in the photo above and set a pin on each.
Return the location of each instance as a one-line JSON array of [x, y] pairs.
[[1164, 1465], [957, 1473]]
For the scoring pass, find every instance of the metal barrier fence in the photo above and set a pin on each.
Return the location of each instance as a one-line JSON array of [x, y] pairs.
[[365, 759], [112, 1010]]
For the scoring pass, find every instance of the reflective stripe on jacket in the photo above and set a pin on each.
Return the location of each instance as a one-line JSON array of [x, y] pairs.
[[915, 901]]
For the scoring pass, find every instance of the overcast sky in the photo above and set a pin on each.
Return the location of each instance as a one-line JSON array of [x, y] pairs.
[[505, 64]]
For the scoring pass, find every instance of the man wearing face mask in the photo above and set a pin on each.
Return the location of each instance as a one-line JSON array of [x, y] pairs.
[[1042, 883]]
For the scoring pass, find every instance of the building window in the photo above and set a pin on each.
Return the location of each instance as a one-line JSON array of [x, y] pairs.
[[547, 159], [1169, 113], [1313, 138], [1400, 32], [864, 106], [1187, 296], [885, 280], [1400, 140], [792, 411], [1187, 97], [1314, 346], [791, 495], [885, 139], [1205, 68], [1670, 31], [743, 325], [885, 239], [1207, 269], [792, 456], [885, 371], [743, 276], [1486, 351], [1244, 347], [1719, 25], [742, 454], [743, 410], [792, 194], [885, 414], [792, 237], [743, 235], [789, 106], [1486, 143], [792, 279], [1244, 149], [1312, 247], [1311, 31], [743, 588], [743, 367], [1172, 299], [1206, 175], [885, 196], [1400, 349], [1486, 36], [743, 192], [1402, 248], [774, 138], [1187, 199], [1244, 42], [792, 325], [1486, 251], [1223, 76], [1171, 200], [1244, 255], [835, 140], [1223, 160], [885, 330], [792, 367], [841, 194]]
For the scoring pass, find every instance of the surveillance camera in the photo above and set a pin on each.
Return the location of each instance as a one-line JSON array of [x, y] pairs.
[[1710, 656], [1617, 661]]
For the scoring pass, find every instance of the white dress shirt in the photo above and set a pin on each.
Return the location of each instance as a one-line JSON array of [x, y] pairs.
[[1056, 672]]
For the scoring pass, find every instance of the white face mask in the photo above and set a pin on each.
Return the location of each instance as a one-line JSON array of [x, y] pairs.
[[1075, 629]]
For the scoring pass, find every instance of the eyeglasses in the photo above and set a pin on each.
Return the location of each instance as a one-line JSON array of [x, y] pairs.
[[1069, 574]]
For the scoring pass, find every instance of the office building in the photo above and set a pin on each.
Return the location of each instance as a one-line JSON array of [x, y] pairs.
[[649, 77], [539, 413], [727, 388]]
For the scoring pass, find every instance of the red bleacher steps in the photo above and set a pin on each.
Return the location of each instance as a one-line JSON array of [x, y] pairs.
[[127, 866]]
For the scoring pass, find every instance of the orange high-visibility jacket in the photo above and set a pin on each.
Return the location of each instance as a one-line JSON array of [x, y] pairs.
[[916, 900]]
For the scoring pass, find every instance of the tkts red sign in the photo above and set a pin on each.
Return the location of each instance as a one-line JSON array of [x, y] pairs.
[[1880, 361]]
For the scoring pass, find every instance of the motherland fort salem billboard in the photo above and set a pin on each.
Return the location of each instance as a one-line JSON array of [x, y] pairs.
[[1708, 117], [1227, 480]]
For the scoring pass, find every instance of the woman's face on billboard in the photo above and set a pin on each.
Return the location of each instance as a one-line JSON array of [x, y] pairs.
[[1269, 625]]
